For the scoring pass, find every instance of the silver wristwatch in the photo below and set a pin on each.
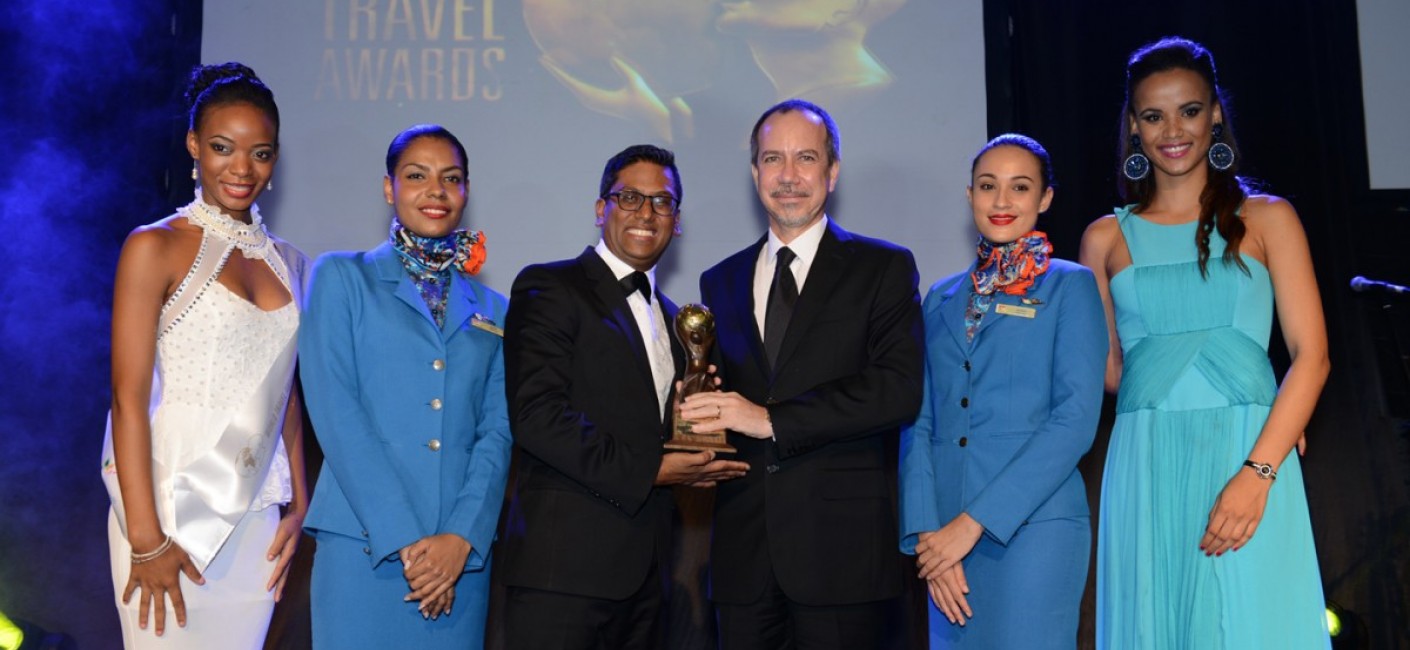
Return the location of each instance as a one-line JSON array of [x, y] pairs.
[[1262, 470]]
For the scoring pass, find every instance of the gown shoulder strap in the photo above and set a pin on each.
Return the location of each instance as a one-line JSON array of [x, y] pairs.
[[210, 259]]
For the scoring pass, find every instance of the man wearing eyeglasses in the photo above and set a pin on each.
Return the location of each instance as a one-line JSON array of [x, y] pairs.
[[819, 345], [590, 365]]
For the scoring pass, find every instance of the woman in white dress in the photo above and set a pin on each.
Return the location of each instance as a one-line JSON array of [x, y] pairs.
[[205, 434]]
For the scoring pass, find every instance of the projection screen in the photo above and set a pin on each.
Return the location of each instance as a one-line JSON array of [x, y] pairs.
[[542, 92]]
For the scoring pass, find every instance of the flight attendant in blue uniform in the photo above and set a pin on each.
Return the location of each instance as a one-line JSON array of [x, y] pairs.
[[403, 373], [992, 504]]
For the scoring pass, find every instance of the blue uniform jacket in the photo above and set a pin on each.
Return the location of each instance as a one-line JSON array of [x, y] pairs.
[[1005, 420], [412, 419]]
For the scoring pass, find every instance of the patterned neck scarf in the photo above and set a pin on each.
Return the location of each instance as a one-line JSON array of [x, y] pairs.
[[1009, 268], [429, 262]]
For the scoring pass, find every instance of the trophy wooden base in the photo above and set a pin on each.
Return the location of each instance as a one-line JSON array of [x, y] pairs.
[[683, 439]]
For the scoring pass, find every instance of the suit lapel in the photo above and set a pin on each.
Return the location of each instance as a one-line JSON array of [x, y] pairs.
[[614, 305], [826, 271], [460, 305], [389, 269], [952, 306], [739, 285]]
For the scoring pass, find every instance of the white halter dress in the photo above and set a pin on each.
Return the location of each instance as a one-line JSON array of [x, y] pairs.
[[223, 372]]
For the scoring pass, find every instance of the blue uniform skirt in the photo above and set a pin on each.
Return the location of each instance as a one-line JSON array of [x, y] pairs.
[[1024, 595], [356, 606]]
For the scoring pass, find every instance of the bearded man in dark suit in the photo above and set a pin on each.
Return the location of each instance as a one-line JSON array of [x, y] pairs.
[[820, 349]]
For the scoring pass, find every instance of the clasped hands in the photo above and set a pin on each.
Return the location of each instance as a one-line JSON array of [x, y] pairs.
[[432, 565], [938, 557]]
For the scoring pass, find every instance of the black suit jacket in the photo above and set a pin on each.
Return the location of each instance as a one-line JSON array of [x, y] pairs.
[[584, 517], [819, 501]]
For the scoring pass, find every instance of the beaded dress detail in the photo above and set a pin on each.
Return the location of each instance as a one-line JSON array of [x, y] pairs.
[[216, 348]]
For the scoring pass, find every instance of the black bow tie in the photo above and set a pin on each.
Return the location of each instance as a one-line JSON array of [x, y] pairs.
[[636, 281]]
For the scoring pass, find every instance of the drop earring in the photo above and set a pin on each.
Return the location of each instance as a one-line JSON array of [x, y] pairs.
[[269, 185], [194, 177], [1221, 155], [1137, 165]]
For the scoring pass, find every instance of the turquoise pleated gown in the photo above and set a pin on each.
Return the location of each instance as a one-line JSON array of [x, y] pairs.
[[1196, 388]]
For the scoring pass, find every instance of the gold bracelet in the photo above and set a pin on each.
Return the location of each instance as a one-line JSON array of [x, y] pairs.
[[139, 558]]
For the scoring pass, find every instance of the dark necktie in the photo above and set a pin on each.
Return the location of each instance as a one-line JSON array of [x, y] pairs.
[[636, 281], [782, 294]]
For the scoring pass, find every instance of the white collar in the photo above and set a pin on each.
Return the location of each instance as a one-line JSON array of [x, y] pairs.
[[619, 268], [805, 245]]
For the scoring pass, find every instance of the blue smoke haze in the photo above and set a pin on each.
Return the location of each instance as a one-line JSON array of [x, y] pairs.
[[89, 106]]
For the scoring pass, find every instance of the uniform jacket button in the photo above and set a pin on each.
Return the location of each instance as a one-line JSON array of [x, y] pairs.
[[438, 364], [436, 404], [964, 440], [964, 402], [434, 444]]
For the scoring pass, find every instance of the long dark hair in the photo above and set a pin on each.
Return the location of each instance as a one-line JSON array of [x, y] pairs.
[[1224, 191]]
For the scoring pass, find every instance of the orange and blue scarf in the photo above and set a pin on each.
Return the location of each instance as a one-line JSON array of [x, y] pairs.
[[430, 260], [1008, 268]]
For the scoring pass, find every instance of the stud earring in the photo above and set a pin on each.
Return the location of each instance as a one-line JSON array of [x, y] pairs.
[[1137, 165], [1221, 155]]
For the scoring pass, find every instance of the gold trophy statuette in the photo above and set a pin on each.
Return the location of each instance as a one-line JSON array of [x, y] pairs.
[[695, 326]]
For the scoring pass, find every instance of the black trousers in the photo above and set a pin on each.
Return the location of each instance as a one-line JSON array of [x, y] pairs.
[[776, 622], [534, 618]]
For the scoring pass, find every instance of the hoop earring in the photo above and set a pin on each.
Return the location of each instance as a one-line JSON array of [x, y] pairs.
[[1221, 155], [1137, 165]]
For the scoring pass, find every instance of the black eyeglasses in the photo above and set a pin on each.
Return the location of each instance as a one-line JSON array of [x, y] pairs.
[[662, 204]]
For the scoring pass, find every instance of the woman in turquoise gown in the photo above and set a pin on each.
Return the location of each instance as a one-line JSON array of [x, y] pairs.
[[1203, 538]]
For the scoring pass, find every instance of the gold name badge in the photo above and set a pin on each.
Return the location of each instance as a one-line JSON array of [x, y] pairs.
[[486, 324], [1015, 310]]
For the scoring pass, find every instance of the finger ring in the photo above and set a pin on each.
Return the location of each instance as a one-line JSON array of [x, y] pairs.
[[718, 411]]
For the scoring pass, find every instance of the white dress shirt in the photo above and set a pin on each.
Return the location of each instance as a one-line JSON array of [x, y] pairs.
[[651, 322]]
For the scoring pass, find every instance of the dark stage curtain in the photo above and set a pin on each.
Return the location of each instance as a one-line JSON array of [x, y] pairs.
[[1056, 71]]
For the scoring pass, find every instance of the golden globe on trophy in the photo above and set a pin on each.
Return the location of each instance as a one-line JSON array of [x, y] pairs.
[[695, 326]]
